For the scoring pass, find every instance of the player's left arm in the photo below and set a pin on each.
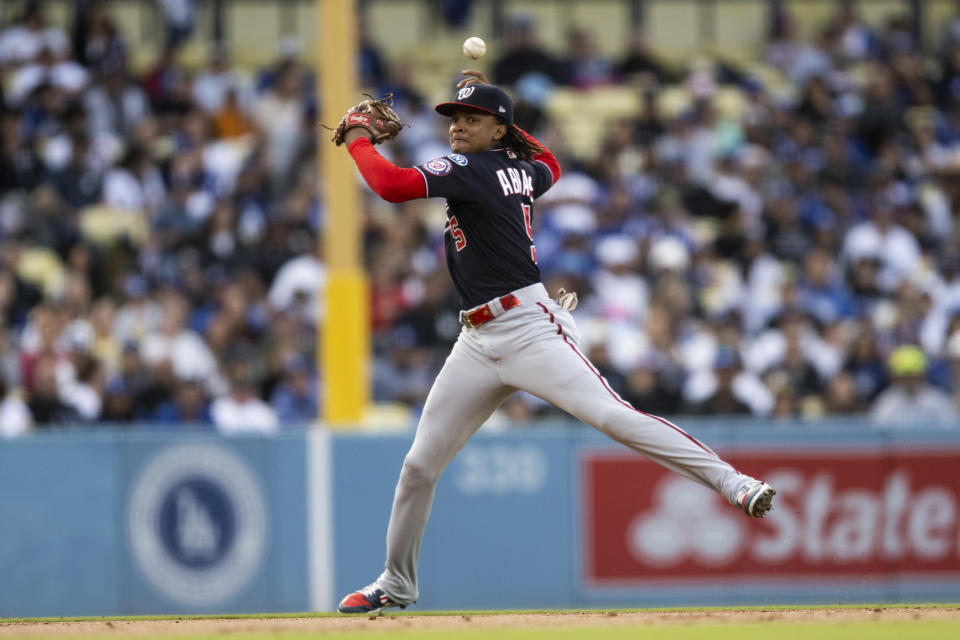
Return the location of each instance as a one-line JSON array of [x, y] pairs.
[[390, 182]]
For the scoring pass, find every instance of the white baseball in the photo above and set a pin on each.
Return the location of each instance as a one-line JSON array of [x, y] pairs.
[[474, 47]]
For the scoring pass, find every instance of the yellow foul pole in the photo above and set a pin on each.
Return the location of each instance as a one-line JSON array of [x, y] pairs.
[[344, 338]]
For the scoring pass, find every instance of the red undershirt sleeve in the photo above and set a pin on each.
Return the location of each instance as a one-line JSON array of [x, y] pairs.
[[544, 156], [390, 182]]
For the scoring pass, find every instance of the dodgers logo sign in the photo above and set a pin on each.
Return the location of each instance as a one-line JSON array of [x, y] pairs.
[[196, 524]]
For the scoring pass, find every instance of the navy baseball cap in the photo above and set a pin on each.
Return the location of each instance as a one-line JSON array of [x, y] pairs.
[[483, 97]]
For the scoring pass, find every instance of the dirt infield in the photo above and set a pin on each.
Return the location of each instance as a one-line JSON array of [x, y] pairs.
[[595, 619]]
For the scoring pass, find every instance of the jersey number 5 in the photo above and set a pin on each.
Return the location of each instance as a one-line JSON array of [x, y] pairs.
[[459, 240], [527, 222]]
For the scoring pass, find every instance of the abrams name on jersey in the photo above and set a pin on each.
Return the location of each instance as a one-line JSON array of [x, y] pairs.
[[515, 182]]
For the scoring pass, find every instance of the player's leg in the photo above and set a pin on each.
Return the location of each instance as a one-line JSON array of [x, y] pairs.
[[465, 393], [551, 365]]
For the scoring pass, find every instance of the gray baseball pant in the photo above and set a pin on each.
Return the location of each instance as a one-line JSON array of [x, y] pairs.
[[533, 347]]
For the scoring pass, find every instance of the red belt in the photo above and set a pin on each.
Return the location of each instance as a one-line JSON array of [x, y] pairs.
[[487, 312]]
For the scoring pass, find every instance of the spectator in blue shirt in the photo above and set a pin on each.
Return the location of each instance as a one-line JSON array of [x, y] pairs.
[[820, 292], [295, 398], [189, 405]]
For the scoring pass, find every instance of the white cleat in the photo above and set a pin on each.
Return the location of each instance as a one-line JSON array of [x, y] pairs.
[[756, 498]]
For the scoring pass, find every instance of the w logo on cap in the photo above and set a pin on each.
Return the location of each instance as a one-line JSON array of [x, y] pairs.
[[480, 97]]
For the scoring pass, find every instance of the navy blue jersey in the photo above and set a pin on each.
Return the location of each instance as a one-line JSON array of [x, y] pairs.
[[488, 232]]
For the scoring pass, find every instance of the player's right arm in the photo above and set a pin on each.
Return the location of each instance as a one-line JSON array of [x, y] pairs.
[[545, 157], [390, 182]]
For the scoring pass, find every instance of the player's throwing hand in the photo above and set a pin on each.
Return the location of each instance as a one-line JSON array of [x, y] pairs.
[[473, 77]]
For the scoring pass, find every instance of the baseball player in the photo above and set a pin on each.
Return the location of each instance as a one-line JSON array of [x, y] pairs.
[[514, 335]]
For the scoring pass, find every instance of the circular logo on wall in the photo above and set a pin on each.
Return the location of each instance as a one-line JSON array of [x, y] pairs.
[[196, 523]]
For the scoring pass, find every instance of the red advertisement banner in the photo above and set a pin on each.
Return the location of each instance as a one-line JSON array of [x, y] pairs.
[[836, 513]]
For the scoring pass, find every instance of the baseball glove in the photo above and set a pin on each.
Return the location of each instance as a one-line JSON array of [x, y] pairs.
[[376, 116]]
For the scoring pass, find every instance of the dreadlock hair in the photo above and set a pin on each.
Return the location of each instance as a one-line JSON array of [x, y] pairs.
[[515, 141]]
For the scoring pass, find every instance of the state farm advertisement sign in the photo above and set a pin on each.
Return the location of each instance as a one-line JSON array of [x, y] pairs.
[[835, 514]]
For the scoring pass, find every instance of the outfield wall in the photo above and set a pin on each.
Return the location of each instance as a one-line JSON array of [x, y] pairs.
[[114, 523], [140, 522]]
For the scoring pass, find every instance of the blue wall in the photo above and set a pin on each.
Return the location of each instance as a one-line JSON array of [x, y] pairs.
[[65, 543], [506, 526], [109, 522], [502, 520]]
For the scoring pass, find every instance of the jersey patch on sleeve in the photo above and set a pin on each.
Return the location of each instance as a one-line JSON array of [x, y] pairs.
[[459, 158], [438, 166]]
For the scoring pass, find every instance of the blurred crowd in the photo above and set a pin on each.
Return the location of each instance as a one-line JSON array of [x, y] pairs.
[[158, 233], [798, 257]]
